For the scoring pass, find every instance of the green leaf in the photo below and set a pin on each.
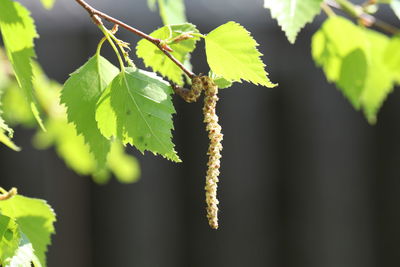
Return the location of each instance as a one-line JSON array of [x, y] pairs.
[[9, 238], [35, 219], [232, 54], [379, 82], [48, 3], [18, 32], [292, 15], [70, 146], [355, 64], [25, 255], [172, 11], [221, 82], [137, 108], [395, 5], [153, 57], [392, 57], [80, 95]]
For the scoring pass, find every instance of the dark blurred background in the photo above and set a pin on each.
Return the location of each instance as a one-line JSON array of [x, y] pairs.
[[305, 181]]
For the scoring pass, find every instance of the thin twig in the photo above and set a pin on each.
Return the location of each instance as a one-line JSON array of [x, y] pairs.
[[157, 42], [8, 194], [357, 13]]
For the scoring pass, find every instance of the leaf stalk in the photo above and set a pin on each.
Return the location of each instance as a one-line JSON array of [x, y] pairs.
[[157, 42]]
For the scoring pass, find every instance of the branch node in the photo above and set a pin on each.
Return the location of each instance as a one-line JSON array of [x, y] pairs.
[[96, 19]]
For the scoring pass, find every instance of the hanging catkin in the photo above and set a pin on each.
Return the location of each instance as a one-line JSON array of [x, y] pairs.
[[192, 95], [214, 149], [200, 83]]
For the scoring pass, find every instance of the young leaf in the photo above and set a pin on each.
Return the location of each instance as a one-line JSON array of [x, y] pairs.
[[172, 11], [395, 5], [137, 108], [232, 53], [80, 95], [35, 219], [159, 62], [18, 32], [355, 64], [292, 15]]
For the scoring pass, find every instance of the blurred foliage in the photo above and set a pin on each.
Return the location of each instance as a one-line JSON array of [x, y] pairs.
[[62, 135], [365, 67]]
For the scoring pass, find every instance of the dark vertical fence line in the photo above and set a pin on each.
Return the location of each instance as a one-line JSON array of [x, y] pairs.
[[387, 183]]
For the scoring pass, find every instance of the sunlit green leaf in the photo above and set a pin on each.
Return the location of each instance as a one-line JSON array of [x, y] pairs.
[[292, 15], [172, 11], [355, 64], [18, 32], [80, 95], [232, 54], [392, 57], [35, 219], [137, 108], [153, 57]]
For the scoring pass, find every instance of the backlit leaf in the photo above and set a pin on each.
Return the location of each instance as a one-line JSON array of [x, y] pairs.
[[232, 53], [137, 109], [172, 11], [80, 95], [18, 32], [392, 57], [292, 15], [35, 219], [355, 64], [153, 57]]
